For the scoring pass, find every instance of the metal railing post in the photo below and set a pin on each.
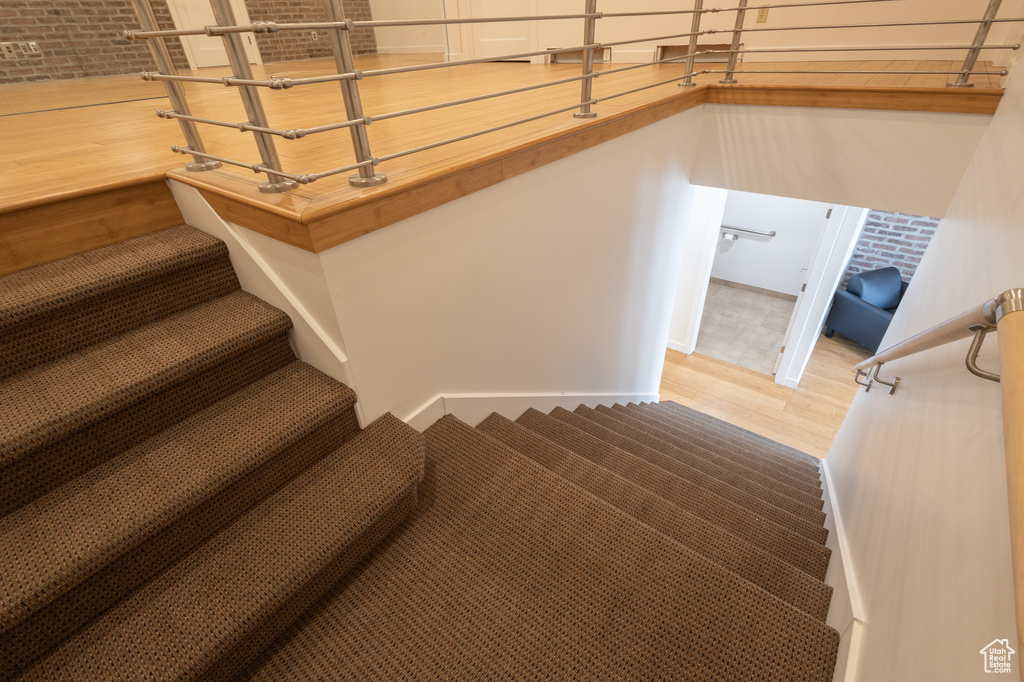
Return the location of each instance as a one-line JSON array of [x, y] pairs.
[[698, 7], [239, 61], [979, 40], [734, 50], [342, 48], [175, 91], [589, 36]]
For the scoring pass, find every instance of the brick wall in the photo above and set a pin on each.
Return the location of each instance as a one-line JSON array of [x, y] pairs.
[[895, 239], [81, 38], [290, 45], [77, 39]]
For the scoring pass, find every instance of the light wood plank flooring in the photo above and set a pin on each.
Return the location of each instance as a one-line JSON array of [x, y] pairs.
[[806, 418], [60, 137]]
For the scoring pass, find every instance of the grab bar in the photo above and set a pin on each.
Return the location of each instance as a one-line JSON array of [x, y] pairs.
[[743, 229]]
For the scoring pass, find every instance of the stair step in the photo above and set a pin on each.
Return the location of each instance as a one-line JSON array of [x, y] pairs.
[[208, 615], [787, 499], [83, 547], [742, 438], [715, 422], [709, 484], [690, 437], [764, 570], [761, 472], [62, 418], [55, 309], [797, 550], [510, 571]]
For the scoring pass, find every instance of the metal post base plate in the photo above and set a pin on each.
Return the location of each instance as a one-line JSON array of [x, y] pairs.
[[585, 114], [959, 85], [358, 180], [198, 167], [728, 81], [687, 85], [272, 187]]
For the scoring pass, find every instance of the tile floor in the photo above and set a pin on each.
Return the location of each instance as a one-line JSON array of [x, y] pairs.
[[743, 326]]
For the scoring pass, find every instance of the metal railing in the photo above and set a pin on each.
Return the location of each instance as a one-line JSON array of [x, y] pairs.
[[760, 233], [348, 77]]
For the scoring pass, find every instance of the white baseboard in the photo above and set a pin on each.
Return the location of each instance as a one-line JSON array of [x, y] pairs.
[[474, 408], [675, 345], [846, 612]]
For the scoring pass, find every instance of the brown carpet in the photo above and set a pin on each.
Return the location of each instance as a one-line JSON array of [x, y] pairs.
[[509, 572], [184, 500]]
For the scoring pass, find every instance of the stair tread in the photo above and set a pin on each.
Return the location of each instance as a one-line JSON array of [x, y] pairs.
[[57, 541], [57, 307], [47, 402], [510, 571], [698, 436], [781, 484], [781, 447], [784, 543], [739, 437], [198, 614], [732, 553], [791, 501], [740, 440], [754, 505]]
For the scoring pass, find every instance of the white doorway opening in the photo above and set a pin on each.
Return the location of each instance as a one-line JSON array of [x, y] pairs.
[[204, 51], [794, 272]]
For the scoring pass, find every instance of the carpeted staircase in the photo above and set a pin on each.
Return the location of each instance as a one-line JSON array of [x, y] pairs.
[[184, 499]]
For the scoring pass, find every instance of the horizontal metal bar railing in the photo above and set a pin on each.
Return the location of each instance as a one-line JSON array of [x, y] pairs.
[[339, 27], [469, 136], [303, 179], [747, 72], [273, 27], [893, 24], [897, 48], [479, 98], [246, 127]]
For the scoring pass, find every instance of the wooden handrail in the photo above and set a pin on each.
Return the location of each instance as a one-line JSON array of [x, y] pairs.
[[1011, 368], [1005, 314]]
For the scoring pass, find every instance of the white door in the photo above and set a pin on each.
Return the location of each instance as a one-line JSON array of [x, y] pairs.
[[504, 38], [203, 51]]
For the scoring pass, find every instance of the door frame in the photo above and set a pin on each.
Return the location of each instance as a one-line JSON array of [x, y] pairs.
[[824, 274]]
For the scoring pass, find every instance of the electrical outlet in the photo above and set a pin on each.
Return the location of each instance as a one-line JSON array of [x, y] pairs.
[[24, 49], [315, 35], [762, 15], [33, 47], [10, 50]]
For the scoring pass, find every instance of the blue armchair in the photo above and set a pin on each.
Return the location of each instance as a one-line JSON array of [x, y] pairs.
[[864, 310]]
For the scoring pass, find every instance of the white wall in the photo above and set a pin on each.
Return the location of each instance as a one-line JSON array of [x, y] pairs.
[[697, 255], [777, 263], [556, 281], [919, 477], [910, 162], [409, 39]]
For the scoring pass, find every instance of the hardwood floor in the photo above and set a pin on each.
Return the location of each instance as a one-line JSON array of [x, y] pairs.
[[806, 418], [63, 135]]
